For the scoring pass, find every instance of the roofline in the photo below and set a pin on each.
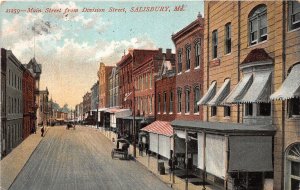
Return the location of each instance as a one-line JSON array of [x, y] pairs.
[[192, 25]]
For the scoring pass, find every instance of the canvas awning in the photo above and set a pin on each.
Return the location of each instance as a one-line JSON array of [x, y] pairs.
[[159, 127], [250, 153], [240, 89], [209, 94], [290, 88], [221, 94], [260, 89]]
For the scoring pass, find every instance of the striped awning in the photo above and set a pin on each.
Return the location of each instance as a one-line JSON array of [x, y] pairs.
[[221, 94], [290, 88], [241, 88], [209, 94], [260, 89], [159, 127]]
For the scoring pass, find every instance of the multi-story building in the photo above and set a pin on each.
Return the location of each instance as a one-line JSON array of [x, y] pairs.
[[43, 112], [95, 96], [103, 75], [36, 70], [144, 75], [189, 83], [86, 105], [251, 57], [4, 137], [28, 102], [81, 113], [14, 100], [114, 87]]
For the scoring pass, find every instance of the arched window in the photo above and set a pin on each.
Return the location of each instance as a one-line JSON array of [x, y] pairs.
[[293, 167], [179, 61], [188, 57], [179, 93], [294, 14], [197, 54], [258, 24]]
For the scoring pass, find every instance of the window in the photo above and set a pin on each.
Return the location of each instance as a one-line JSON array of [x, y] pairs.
[[158, 109], [294, 14], [9, 74], [293, 167], [15, 81], [151, 104], [9, 107], [197, 54], [213, 111], [294, 107], [258, 25], [248, 109], [227, 38], [165, 102], [187, 101], [196, 99], [146, 81], [226, 111], [264, 109], [188, 57], [214, 44], [179, 101], [179, 62], [171, 102]]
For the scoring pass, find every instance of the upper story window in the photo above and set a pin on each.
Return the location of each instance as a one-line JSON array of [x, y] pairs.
[[294, 107], [171, 102], [227, 38], [179, 69], [158, 109], [294, 14], [196, 99], [258, 25], [213, 111], [188, 57], [197, 54], [179, 101], [227, 111], [215, 44], [165, 102], [187, 100]]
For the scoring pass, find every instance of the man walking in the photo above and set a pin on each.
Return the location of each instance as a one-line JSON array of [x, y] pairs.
[[42, 131]]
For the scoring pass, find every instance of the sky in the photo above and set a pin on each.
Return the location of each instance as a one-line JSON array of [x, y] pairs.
[[71, 45]]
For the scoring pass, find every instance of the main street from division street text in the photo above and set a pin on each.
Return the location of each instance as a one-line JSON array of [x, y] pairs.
[[81, 159]]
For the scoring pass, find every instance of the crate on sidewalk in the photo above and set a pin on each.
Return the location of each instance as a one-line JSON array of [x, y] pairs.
[[161, 168]]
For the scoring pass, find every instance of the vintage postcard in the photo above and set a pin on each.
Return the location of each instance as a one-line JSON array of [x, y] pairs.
[[150, 95]]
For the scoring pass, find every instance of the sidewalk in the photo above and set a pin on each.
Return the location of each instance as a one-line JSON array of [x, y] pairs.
[[13, 163], [151, 164]]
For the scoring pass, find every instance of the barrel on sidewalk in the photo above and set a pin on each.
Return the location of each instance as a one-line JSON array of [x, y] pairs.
[[161, 168]]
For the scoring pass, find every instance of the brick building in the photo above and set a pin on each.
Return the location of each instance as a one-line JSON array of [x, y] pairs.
[[86, 105], [250, 52], [103, 75], [189, 82], [28, 102], [114, 87]]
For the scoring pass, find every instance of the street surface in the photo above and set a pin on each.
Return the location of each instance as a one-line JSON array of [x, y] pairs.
[[78, 160]]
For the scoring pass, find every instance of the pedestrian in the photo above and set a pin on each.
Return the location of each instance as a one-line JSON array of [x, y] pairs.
[[140, 149], [42, 131], [147, 148]]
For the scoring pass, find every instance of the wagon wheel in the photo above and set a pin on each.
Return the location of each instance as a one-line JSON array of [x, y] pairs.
[[112, 154]]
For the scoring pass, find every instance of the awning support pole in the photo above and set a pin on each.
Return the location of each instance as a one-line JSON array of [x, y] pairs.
[[186, 160]]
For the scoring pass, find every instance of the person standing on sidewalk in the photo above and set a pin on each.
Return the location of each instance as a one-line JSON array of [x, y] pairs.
[[42, 131]]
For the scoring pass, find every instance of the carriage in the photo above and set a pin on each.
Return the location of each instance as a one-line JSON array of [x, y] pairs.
[[123, 151]]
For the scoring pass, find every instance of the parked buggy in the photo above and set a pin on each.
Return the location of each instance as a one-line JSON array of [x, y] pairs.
[[70, 125], [123, 151]]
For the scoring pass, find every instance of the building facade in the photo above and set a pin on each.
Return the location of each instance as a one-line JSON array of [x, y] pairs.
[[4, 137], [95, 96], [114, 87], [43, 110], [103, 75], [14, 100], [250, 60], [28, 102], [86, 104]]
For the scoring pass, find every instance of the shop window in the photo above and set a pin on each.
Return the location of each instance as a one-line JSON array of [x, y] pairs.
[[248, 109], [214, 44], [264, 109], [258, 25], [213, 111], [294, 14], [227, 111], [294, 107], [227, 38], [293, 168], [197, 54]]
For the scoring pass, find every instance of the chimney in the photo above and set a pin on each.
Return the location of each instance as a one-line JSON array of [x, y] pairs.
[[168, 53]]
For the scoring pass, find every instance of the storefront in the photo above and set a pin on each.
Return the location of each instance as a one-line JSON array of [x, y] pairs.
[[230, 154]]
